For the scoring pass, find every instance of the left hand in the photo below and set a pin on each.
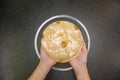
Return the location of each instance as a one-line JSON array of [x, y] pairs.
[[46, 59]]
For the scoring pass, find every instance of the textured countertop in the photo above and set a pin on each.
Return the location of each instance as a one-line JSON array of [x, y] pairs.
[[20, 19]]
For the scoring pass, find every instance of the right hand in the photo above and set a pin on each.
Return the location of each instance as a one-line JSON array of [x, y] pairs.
[[81, 59]]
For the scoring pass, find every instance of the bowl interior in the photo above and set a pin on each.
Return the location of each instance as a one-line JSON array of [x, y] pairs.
[[60, 66]]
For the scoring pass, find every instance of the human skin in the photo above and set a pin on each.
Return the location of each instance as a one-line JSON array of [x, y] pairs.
[[79, 65], [43, 67]]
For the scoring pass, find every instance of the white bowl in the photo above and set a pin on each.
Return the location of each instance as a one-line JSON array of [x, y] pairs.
[[37, 42]]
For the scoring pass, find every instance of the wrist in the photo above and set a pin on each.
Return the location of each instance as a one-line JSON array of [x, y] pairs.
[[79, 67], [41, 71], [76, 64], [46, 64], [83, 66], [82, 73]]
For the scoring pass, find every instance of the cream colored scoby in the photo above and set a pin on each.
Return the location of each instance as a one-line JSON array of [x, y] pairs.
[[62, 41]]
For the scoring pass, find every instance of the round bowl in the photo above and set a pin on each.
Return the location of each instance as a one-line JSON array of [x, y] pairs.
[[37, 41]]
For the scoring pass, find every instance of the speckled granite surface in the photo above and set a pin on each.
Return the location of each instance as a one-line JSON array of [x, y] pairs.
[[19, 20]]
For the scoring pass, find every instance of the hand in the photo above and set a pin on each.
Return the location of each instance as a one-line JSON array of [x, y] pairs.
[[79, 64], [45, 58], [81, 59]]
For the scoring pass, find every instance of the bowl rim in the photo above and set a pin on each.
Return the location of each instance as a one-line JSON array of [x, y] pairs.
[[55, 17]]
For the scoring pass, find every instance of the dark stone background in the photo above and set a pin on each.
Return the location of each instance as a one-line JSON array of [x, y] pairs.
[[20, 19]]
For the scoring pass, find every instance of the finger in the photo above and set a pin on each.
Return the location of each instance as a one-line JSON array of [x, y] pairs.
[[42, 51], [83, 45], [83, 49]]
